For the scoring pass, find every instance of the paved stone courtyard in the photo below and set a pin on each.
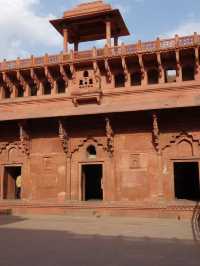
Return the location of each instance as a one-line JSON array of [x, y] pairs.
[[84, 241]]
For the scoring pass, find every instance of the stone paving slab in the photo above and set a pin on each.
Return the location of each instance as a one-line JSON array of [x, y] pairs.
[[106, 226]]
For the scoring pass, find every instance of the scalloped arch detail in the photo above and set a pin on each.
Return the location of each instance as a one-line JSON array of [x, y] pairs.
[[183, 136], [89, 140]]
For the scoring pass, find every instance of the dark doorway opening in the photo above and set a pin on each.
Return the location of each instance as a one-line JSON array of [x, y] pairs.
[[186, 177], [10, 189], [92, 182]]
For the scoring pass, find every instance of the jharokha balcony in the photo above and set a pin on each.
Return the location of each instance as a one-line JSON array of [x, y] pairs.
[[89, 78]]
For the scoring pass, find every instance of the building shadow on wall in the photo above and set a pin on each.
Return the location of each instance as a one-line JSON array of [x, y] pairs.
[[196, 222]]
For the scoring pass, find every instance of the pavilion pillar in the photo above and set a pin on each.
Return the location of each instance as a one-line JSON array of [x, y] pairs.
[[76, 45], [2, 92], [197, 65], [116, 41], [108, 33], [66, 40]]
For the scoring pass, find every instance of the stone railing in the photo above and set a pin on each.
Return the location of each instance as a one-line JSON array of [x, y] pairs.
[[140, 47]]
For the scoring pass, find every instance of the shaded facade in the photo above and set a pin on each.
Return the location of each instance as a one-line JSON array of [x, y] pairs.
[[117, 124]]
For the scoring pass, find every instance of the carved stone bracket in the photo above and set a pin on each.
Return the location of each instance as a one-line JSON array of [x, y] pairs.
[[36, 79], [64, 75], [97, 74], [108, 71], [8, 82], [110, 137], [125, 68], [52, 81], [64, 138], [24, 83], [141, 65], [156, 133], [24, 138]]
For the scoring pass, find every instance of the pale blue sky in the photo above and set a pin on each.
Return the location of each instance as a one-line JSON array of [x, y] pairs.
[[25, 30]]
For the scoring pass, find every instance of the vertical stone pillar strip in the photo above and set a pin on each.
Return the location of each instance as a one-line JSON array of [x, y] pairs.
[[108, 33], [161, 69], [144, 80], [179, 67], [65, 41], [197, 66], [156, 141]]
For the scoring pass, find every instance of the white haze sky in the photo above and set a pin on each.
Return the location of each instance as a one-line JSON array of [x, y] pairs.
[[25, 27]]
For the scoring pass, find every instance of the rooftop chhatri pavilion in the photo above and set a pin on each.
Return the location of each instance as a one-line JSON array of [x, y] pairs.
[[112, 129]]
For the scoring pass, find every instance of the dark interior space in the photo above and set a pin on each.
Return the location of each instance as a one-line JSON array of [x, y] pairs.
[[186, 175], [9, 186], [119, 81], [92, 182], [136, 79]]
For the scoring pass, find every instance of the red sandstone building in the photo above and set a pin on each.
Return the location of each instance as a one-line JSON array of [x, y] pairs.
[[120, 124]]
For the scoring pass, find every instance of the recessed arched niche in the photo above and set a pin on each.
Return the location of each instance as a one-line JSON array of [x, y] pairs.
[[91, 152]]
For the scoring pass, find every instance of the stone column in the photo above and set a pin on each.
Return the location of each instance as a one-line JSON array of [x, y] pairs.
[[76, 44], [108, 33], [66, 40], [116, 41]]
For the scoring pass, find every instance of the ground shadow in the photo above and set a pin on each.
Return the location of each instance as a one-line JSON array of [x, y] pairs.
[[53, 248], [196, 222], [10, 219]]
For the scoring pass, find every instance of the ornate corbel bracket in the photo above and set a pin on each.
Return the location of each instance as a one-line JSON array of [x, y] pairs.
[[24, 138], [140, 59], [49, 77], [108, 71], [97, 73], [110, 137], [64, 75], [8, 82], [35, 79], [22, 81], [64, 138], [156, 133]]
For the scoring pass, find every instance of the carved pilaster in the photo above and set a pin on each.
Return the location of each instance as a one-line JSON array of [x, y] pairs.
[[64, 138], [24, 138], [110, 137], [156, 133]]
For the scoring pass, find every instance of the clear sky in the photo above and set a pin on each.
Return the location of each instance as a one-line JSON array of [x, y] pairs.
[[25, 29]]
